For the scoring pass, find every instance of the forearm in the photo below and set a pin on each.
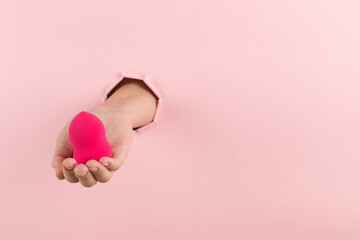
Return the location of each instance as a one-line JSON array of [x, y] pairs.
[[134, 98]]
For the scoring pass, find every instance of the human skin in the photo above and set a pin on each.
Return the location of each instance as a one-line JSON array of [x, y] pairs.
[[131, 105]]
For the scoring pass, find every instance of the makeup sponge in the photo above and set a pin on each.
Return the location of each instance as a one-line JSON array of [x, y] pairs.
[[88, 137]]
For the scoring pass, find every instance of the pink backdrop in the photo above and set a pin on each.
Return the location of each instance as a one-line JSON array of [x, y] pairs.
[[258, 137]]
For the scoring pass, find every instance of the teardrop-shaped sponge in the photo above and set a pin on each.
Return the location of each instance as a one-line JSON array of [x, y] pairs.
[[88, 137]]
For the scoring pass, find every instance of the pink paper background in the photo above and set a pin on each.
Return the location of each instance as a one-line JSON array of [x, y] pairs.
[[258, 137]]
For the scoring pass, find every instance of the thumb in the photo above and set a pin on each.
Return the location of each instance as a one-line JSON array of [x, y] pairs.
[[120, 153]]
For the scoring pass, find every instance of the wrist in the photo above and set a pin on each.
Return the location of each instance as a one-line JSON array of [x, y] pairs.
[[135, 100], [108, 113]]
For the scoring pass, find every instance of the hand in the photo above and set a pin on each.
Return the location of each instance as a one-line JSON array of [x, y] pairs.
[[119, 133], [131, 105]]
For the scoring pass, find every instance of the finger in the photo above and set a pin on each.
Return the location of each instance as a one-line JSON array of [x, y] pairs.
[[118, 158], [68, 166], [58, 168], [111, 164], [85, 177], [101, 173], [63, 150]]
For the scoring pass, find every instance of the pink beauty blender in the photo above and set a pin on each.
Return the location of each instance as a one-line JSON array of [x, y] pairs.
[[88, 137]]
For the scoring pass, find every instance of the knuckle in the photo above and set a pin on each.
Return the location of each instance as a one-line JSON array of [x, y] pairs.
[[59, 176], [104, 180], [73, 180], [88, 184], [115, 167]]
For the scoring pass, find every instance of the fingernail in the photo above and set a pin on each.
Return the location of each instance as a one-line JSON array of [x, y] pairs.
[[105, 163], [93, 169], [81, 174], [69, 167]]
